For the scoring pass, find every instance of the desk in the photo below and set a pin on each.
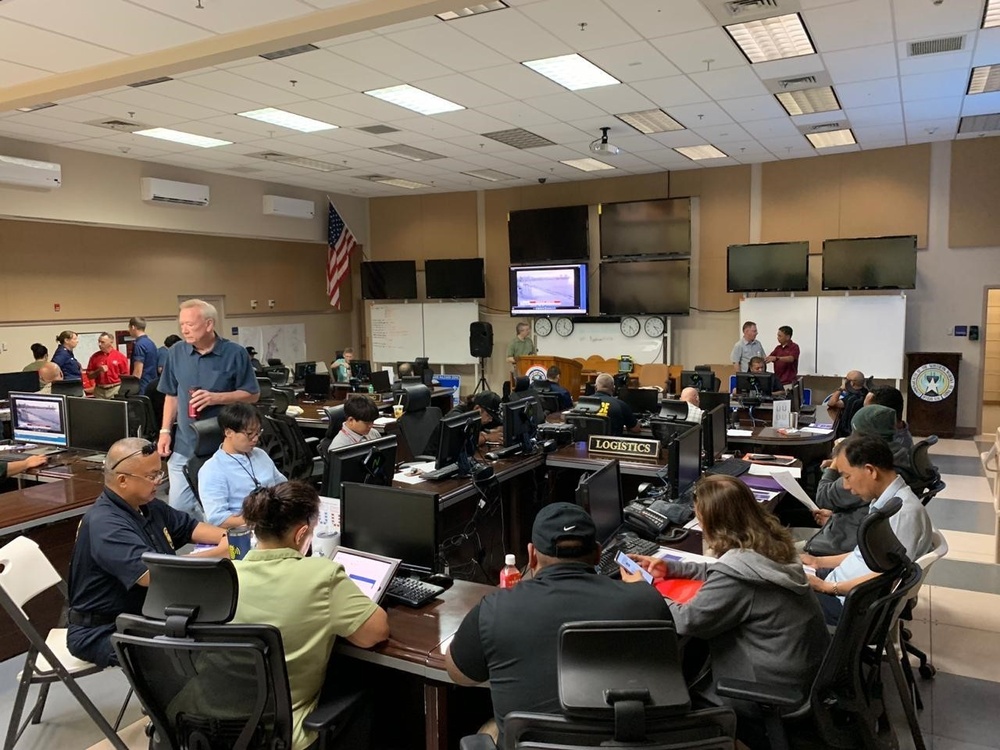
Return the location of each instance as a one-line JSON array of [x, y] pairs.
[[576, 456]]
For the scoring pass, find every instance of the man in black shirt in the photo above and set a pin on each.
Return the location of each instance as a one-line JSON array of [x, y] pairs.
[[511, 637], [617, 412]]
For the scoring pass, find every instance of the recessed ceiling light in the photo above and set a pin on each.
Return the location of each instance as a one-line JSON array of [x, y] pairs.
[[586, 165], [36, 107], [415, 99], [697, 153], [407, 152], [490, 175], [572, 72], [278, 54], [650, 121], [984, 79], [772, 38], [399, 182], [808, 101], [832, 138], [992, 15], [472, 10], [178, 136], [288, 120]]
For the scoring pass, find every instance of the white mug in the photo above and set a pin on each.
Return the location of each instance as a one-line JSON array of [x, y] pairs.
[[324, 543]]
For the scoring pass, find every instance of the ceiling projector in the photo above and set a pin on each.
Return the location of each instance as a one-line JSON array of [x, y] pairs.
[[601, 145]]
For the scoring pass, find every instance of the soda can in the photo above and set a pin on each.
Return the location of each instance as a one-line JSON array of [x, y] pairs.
[[192, 409], [239, 542]]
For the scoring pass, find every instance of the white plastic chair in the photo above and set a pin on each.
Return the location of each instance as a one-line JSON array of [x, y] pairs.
[[26, 573]]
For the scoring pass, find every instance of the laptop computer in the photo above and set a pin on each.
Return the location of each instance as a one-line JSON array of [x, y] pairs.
[[371, 573]]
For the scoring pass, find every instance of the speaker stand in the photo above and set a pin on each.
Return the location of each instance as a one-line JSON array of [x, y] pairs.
[[483, 385]]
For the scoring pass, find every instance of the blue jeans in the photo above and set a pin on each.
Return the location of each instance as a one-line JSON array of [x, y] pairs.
[[181, 495]]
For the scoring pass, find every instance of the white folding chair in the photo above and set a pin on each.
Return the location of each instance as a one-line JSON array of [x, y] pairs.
[[26, 573]]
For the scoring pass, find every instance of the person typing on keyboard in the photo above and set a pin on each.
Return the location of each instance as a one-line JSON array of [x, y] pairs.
[[510, 638]]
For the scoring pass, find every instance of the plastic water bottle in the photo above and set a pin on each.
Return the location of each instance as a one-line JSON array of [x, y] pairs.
[[510, 575]]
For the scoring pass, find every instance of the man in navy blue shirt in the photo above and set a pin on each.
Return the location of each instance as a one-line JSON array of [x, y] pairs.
[[144, 353], [203, 373], [565, 400], [107, 576]]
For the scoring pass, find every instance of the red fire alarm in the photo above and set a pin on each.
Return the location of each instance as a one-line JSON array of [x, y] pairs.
[[56, 307]]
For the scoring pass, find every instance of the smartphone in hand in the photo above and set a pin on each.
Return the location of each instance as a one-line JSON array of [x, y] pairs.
[[632, 566]]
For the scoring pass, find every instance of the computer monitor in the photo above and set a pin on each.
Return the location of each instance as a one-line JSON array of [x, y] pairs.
[[713, 432], [641, 400], [22, 382], [380, 381], [39, 418], [708, 400], [600, 494], [317, 386], [519, 426], [361, 369], [458, 442], [749, 384], [391, 522], [302, 369], [367, 462], [676, 411], [684, 460], [699, 379], [423, 370], [95, 424]]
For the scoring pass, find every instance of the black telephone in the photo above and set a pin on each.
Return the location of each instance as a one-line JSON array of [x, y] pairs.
[[649, 521]]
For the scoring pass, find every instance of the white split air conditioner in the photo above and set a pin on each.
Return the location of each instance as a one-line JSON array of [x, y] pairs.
[[277, 205], [30, 173], [155, 190]]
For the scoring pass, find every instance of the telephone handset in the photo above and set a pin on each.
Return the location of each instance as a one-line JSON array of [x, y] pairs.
[[649, 521]]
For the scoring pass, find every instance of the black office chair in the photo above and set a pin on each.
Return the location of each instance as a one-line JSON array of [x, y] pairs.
[[337, 417], [275, 362], [129, 386], [585, 425], [846, 706], [204, 682], [281, 399], [926, 482], [300, 458], [549, 402], [620, 685], [419, 419], [157, 399], [142, 421], [265, 386], [68, 388], [208, 438], [278, 375]]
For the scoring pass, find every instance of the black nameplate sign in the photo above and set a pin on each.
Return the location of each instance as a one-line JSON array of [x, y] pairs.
[[624, 446]]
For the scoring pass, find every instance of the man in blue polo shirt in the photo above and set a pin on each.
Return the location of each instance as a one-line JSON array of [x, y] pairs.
[[203, 373], [144, 353]]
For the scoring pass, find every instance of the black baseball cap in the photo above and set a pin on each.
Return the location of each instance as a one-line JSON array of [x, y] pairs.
[[251, 351], [489, 402], [561, 522]]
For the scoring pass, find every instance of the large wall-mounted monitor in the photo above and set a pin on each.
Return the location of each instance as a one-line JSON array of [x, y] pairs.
[[461, 278], [638, 228], [870, 263], [770, 267], [543, 235], [548, 290], [389, 279], [646, 287]]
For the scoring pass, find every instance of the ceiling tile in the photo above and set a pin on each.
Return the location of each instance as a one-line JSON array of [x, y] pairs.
[[375, 109], [223, 16], [919, 131], [462, 89], [517, 81], [614, 99], [446, 44], [36, 48], [856, 24], [879, 133], [935, 85], [987, 46], [747, 109], [690, 51], [932, 63], [12, 73], [513, 34], [770, 129], [517, 113], [328, 66], [274, 73], [565, 106], [383, 54], [226, 82], [981, 104], [868, 93], [788, 68], [671, 92], [866, 64], [730, 83], [883, 114], [704, 114], [199, 95], [565, 19], [718, 134], [933, 109], [925, 20], [638, 61], [661, 17], [143, 102]]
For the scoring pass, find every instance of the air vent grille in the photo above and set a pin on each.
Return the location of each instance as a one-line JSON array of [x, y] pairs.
[[122, 126], [518, 138], [150, 82], [278, 54], [935, 46], [378, 129], [980, 123], [791, 83], [738, 8]]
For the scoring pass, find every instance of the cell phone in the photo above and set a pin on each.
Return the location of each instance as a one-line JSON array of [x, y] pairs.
[[632, 566]]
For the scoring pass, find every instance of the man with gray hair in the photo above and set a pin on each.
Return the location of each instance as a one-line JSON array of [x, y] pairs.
[[617, 412], [107, 576], [203, 373]]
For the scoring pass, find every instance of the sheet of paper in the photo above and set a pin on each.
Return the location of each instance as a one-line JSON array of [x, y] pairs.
[[764, 470], [789, 485], [383, 421], [781, 414], [816, 430], [407, 479], [693, 525], [739, 433], [763, 496]]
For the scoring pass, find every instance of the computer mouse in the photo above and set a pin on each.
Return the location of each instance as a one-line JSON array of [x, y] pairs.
[[439, 579]]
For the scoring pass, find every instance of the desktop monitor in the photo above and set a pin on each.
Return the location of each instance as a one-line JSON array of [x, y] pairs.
[[361, 369], [391, 522], [600, 494], [423, 370], [641, 400], [302, 369], [459, 439], [22, 382], [703, 380], [519, 426], [95, 424], [380, 381], [708, 400], [750, 384], [684, 460], [367, 462], [713, 432], [39, 418], [317, 386]]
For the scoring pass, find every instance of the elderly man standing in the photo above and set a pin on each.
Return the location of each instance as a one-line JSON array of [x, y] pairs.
[[203, 373], [107, 576], [746, 348], [520, 346]]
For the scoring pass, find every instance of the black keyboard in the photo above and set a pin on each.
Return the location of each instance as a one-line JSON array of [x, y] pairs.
[[412, 591], [731, 467], [443, 473], [630, 545]]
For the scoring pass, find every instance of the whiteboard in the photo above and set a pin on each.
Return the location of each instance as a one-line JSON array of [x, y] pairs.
[[603, 339], [770, 313], [397, 332], [286, 342], [446, 332], [861, 333], [86, 346]]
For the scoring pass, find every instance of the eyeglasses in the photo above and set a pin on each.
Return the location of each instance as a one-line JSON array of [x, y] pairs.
[[155, 478], [146, 450], [253, 434]]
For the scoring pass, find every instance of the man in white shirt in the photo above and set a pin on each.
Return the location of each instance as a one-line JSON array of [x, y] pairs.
[[746, 348], [691, 397], [360, 413]]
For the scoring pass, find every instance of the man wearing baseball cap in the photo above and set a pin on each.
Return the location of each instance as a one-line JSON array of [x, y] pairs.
[[511, 637], [254, 362]]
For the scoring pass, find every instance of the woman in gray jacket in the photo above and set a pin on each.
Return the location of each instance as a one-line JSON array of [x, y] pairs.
[[755, 609]]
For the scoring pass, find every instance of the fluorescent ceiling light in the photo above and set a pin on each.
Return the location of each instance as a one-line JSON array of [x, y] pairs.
[[992, 15], [407, 152], [314, 164], [772, 38], [36, 107], [288, 120], [490, 175], [178, 136], [399, 182], [572, 72], [586, 165], [832, 138], [472, 10], [415, 99], [697, 153], [984, 79], [808, 101], [650, 121]]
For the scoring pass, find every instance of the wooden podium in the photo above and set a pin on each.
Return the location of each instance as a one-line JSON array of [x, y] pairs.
[[571, 378], [932, 401]]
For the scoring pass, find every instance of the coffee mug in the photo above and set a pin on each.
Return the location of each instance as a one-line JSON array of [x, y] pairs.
[[324, 543]]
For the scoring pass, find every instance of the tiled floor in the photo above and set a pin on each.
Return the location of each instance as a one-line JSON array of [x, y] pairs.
[[957, 623]]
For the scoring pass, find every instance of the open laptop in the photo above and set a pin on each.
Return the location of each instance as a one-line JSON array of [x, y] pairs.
[[39, 425], [371, 573]]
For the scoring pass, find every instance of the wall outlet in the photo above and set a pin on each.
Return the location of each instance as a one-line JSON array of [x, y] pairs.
[[270, 303], [253, 304]]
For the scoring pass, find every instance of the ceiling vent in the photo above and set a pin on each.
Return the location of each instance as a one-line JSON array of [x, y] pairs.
[[799, 82], [298, 161], [150, 82], [122, 126], [405, 151], [935, 46], [980, 123], [278, 54], [518, 138], [738, 8], [742, 11], [378, 129]]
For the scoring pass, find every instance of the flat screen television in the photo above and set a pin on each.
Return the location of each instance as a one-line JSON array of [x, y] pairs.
[[389, 279], [636, 228], [770, 267], [542, 290], [870, 263], [459, 278], [646, 287], [548, 234]]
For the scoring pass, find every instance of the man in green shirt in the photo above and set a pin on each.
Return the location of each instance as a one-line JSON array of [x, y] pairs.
[[520, 346]]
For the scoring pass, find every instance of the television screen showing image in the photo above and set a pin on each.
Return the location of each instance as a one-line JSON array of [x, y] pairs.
[[771, 267], [636, 228], [389, 279], [548, 234], [460, 278], [646, 287], [870, 263], [538, 290]]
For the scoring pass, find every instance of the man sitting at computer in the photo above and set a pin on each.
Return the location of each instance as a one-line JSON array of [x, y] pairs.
[[767, 384], [511, 637], [360, 414], [617, 412], [340, 368], [552, 376], [237, 468], [691, 397]]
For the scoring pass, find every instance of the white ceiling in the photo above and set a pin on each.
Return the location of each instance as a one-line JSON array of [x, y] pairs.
[[659, 49]]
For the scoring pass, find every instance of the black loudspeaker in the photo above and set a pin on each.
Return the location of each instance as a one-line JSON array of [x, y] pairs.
[[481, 339]]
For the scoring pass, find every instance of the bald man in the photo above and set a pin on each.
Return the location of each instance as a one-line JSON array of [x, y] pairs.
[[48, 373], [691, 397], [618, 413], [844, 402]]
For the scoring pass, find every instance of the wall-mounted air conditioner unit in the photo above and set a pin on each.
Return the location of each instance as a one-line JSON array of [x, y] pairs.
[[155, 190], [30, 173], [277, 205]]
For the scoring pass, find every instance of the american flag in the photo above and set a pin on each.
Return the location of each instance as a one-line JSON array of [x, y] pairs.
[[340, 243]]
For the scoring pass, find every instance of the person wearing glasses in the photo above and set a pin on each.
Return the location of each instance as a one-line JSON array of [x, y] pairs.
[[107, 576], [238, 468]]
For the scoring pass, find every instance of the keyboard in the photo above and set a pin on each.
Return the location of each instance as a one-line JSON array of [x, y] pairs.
[[412, 591], [731, 467], [630, 545]]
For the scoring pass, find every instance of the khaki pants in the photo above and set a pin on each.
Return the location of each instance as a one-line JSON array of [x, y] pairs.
[[106, 391]]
